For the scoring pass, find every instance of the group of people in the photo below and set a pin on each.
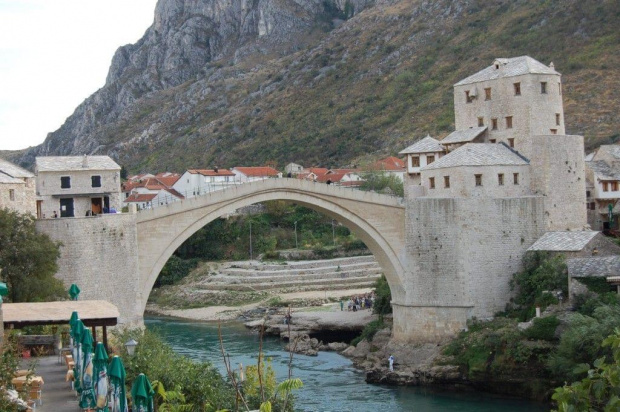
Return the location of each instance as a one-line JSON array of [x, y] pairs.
[[359, 302]]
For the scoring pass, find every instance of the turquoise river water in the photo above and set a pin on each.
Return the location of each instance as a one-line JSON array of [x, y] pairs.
[[331, 383]]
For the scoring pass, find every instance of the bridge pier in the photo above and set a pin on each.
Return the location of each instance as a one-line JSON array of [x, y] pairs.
[[427, 324]]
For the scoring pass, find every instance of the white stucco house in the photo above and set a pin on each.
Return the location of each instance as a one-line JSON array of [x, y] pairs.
[[252, 174], [196, 182]]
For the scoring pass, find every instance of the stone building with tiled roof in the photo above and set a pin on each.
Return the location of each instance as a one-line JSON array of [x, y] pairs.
[[603, 188], [17, 188], [74, 186]]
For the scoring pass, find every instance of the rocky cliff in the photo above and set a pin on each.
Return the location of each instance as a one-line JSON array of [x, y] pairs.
[[327, 81]]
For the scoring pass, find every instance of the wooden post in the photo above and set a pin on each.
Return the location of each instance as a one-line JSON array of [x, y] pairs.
[[105, 338], [94, 334]]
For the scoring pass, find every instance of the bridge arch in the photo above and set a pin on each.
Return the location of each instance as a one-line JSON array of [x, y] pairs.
[[378, 220]]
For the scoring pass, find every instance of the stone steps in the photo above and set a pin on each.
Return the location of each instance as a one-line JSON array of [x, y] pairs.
[[304, 264], [287, 270], [260, 277], [347, 283]]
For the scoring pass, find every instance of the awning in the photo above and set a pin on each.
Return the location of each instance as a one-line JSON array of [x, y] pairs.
[[68, 195], [91, 312]]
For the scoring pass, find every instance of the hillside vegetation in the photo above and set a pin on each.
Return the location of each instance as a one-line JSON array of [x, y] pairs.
[[379, 81]]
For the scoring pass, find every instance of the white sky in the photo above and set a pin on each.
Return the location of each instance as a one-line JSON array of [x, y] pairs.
[[56, 53]]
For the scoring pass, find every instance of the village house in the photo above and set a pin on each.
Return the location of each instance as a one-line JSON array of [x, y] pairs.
[[153, 191], [196, 182], [341, 177], [70, 186], [252, 174], [17, 188], [423, 152], [603, 188], [293, 169], [390, 166]]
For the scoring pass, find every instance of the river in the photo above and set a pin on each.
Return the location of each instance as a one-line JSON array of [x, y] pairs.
[[331, 383]]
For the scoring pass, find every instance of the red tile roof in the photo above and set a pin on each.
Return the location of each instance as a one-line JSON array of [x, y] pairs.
[[211, 172], [332, 177], [317, 170], [389, 163], [257, 171], [140, 197]]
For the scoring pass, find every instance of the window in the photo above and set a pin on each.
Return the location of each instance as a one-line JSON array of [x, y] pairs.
[[65, 182], [468, 98], [487, 93], [492, 140], [431, 182], [554, 131], [12, 194], [511, 142], [557, 119], [508, 122], [614, 186], [415, 161], [592, 206], [515, 178], [560, 88], [517, 89], [95, 181], [430, 159], [587, 193], [543, 87], [446, 182], [494, 124], [500, 179], [478, 180], [480, 121], [605, 187]]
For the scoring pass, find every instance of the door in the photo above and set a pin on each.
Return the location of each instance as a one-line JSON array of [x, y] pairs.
[[96, 205], [66, 207]]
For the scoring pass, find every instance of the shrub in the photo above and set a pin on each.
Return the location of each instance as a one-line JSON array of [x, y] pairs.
[[174, 270], [543, 328], [369, 331], [383, 297]]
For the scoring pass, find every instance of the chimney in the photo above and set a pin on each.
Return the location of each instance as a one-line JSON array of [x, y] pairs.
[[215, 169], [552, 66], [85, 161]]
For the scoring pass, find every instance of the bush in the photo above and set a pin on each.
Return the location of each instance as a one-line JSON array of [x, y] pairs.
[[369, 331], [543, 328], [174, 270], [580, 343], [383, 297], [542, 273]]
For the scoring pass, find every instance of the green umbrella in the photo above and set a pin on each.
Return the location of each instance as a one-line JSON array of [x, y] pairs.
[[77, 332], [142, 394], [118, 397], [87, 396], [72, 321], [74, 291], [4, 290], [100, 375]]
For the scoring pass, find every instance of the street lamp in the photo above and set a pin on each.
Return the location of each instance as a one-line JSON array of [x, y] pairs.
[[333, 233], [251, 253], [296, 247], [131, 347]]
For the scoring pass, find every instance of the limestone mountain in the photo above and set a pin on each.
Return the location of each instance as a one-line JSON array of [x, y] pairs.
[[326, 82]]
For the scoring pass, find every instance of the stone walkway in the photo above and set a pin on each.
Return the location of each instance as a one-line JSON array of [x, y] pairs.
[[57, 395]]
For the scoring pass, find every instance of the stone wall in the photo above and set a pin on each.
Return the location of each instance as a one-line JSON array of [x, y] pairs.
[[558, 174], [24, 199], [461, 254], [99, 254], [463, 181]]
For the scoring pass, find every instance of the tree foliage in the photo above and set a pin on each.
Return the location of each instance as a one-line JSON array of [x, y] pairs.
[[382, 182], [600, 389], [383, 297], [542, 273], [28, 260]]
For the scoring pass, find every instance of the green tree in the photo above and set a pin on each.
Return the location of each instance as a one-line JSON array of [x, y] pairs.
[[28, 260], [382, 182], [600, 389]]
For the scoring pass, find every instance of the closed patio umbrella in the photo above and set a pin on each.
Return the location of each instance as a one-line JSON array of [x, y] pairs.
[[87, 396], [118, 397], [142, 394], [100, 375], [77, 331], [74, 291]]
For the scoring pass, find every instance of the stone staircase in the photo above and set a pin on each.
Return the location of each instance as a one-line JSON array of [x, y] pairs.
[[334, 274]]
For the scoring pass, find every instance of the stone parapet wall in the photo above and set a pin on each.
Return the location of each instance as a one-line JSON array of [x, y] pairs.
[[99, 254]]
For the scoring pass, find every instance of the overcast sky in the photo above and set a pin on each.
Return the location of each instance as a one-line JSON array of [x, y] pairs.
[[56, 53]]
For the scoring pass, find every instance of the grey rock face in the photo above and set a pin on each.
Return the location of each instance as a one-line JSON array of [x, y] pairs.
[[185, 37]]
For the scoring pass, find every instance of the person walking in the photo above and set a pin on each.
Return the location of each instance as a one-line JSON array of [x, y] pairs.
[[391, 362], [341, 305]]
